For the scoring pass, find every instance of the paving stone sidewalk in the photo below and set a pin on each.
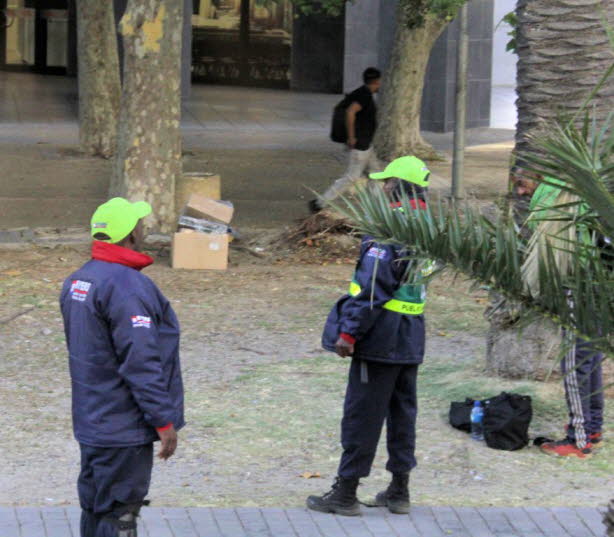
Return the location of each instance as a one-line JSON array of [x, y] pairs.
[[271, 522]]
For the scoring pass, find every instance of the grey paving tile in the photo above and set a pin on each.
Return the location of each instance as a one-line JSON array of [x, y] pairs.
[[522, 523], [546, 522], [155, 523], [8, 522], [278, 522], [571, 521], [30, 522], [302, 523], [376, 521], [58, 528], [449, 522], [473, 522], [179, 522], [353, 526], [229, 523], [425, 521], [593, 519], [73, 514], [253, 522], [203, 521], [327, 524], [497, 521], [402, 525]]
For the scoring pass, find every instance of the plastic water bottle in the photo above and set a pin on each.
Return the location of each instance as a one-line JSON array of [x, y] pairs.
[[477, 418]]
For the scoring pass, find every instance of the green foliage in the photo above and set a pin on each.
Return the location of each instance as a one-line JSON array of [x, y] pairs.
[[492, 254], [512, 20], [331, 8], [415, 11]]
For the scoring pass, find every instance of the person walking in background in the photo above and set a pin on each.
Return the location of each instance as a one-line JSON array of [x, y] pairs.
[[380, 325], [360, 124], [127, 391]]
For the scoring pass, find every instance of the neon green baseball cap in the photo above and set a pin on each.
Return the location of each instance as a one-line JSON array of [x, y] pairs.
[[117, 218], [410, 169]]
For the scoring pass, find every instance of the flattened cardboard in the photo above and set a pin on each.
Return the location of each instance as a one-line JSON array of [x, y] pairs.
[[202, 207], [193, 250]]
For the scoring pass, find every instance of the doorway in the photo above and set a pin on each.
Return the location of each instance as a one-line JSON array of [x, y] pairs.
[[34, 35]]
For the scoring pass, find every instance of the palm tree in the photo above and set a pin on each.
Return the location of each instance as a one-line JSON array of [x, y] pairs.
[[562, 52]]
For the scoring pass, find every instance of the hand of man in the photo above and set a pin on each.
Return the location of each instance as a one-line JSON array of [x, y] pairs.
[[344, 348], [351, 143], [168, 440]]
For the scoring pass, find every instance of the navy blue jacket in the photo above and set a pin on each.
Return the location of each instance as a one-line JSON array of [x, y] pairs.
[[123, 342], [381, 335]]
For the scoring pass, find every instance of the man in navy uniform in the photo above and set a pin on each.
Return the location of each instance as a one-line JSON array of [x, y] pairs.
[[380, 324], [127, 392]]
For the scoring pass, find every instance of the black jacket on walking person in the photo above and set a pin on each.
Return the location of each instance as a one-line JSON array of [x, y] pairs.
[[127, 391]]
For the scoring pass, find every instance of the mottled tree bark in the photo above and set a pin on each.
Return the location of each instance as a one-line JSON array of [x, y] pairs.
[[398, 133], [563, 50], [149, 146], [98, 76]]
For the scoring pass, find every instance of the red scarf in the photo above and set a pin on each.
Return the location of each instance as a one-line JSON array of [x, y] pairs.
[[112, 253]]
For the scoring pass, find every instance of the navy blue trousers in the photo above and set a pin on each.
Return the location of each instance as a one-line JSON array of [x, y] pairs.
[[583, 379], [110, 479], [389, 395]]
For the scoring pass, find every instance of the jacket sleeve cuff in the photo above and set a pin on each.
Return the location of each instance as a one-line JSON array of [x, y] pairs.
[[347, 337], [164, 428]]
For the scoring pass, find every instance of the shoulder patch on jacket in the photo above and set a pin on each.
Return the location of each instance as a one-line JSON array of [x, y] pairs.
[[79, 290], [379, 253], [140, 321]]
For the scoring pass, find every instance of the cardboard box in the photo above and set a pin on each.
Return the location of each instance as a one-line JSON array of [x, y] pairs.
[[193, 250], [205, 184], [202, 207]]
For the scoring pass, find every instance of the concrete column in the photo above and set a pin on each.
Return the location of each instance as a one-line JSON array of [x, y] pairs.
[[362, 46], [438, 109]]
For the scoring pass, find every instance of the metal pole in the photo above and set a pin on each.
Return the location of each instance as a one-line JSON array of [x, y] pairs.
[[462, 60]]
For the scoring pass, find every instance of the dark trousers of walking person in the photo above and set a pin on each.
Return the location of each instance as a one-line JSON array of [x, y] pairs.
[[388, 395], [582, 370], [112, 486]]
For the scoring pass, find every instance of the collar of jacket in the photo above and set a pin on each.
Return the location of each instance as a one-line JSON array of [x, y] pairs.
[[112, 253]]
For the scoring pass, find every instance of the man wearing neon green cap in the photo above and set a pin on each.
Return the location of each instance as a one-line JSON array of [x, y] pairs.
[[379, 323], [127, 392]]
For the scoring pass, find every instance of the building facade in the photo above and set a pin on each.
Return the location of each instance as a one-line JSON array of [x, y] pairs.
[[264, 43]]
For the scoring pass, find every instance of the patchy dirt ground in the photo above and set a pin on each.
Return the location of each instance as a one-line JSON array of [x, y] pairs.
[[263, 400]]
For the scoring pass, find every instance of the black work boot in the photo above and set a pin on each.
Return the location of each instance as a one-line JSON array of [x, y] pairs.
[[340, 499], [396, 496]]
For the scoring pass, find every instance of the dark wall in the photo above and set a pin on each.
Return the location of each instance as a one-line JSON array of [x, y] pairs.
[[438, 104], [317, 54]]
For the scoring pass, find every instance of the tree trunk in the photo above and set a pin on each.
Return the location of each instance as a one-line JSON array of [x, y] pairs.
[[398, 133], [563, 50], [98, 76], [149, 148]]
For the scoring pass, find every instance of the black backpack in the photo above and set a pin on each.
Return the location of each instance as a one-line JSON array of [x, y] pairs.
[[338, 129], [506, 420]]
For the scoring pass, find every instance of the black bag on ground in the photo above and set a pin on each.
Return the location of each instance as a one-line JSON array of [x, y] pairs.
[[460, 415], [506, 421], [338, 129]]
